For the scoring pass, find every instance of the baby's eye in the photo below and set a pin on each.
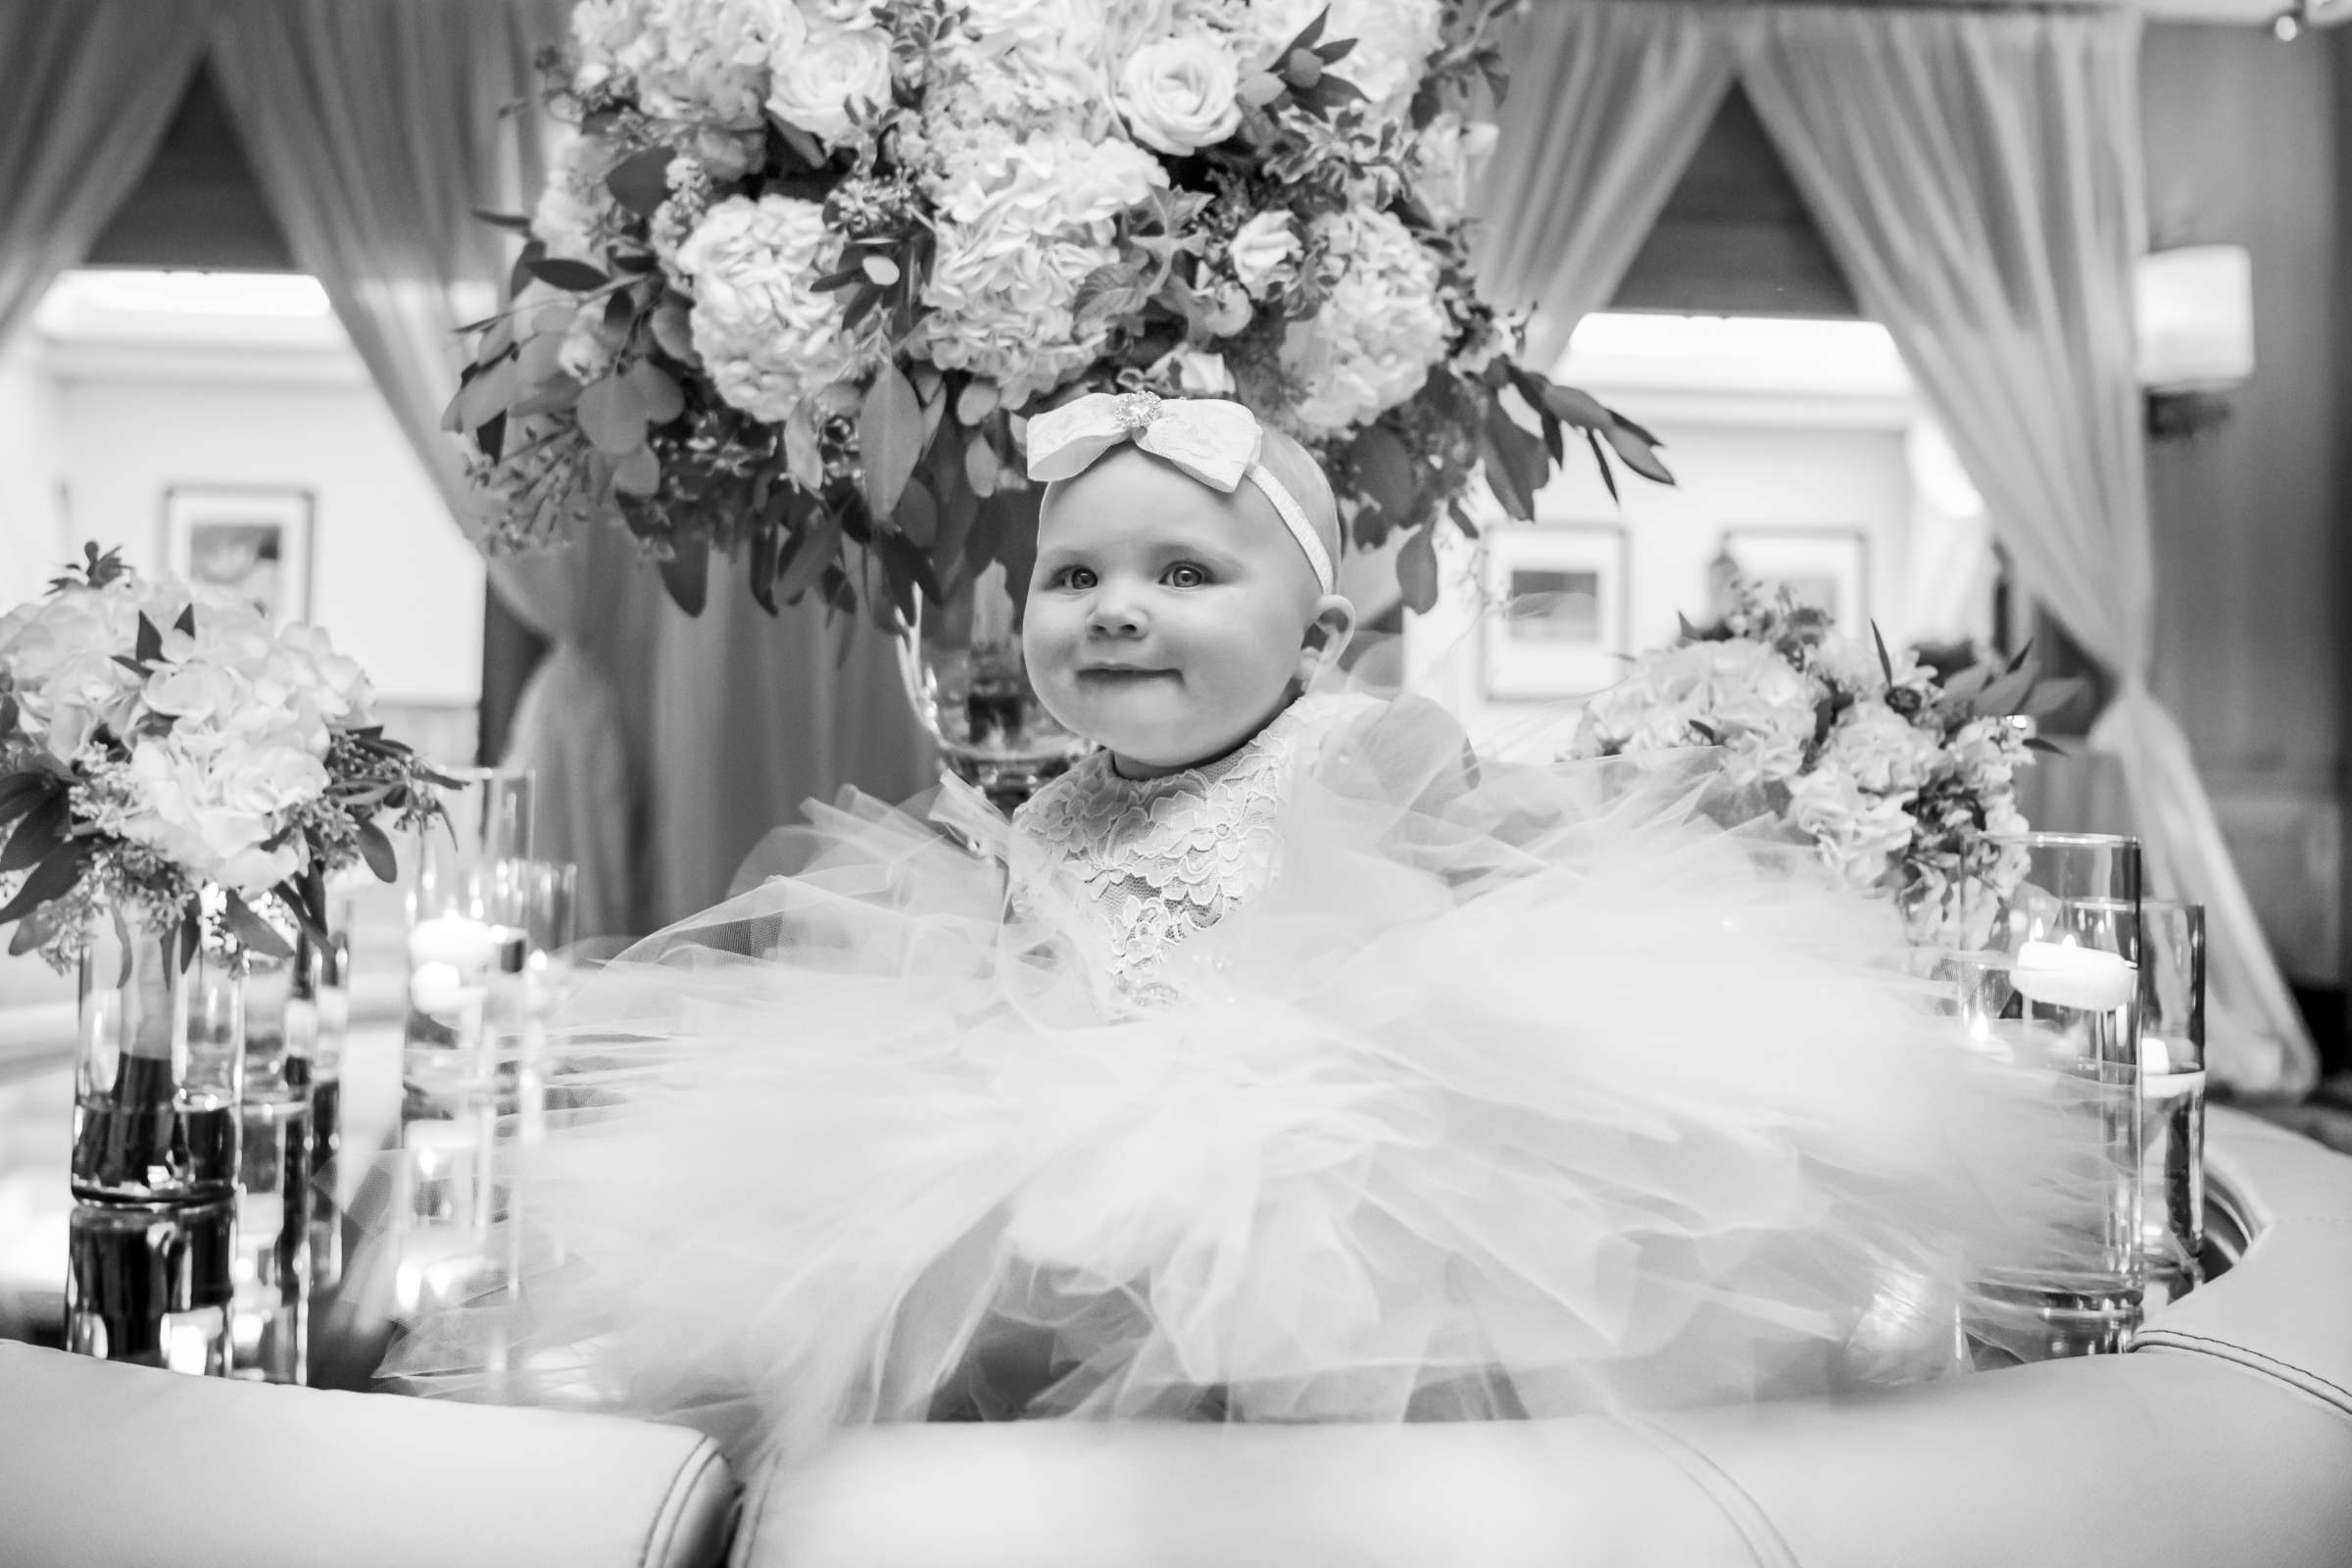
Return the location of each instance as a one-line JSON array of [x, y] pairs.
[[1078, 577], [1184, 574]]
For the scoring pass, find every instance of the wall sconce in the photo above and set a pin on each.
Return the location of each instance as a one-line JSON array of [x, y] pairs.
[[2195, 309]]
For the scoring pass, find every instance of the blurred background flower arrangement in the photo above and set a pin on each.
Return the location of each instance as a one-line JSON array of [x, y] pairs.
[[803, 267], [1902, 780], [158, 739]]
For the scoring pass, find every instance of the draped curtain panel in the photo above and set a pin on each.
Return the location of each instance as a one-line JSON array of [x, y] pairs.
[[1608, 101], [86, 91], [1979, 176], [378, 127]]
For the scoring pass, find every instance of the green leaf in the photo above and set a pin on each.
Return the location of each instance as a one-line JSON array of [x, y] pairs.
[[1387, 470], [150, 645], [42, 830], [686, 573], [980, 466], [512, 222], [251, 929], [917, 516], [640, 181], [22, 792], [1885, 664], [674, 329], [976, 402], [53, 878], [812, 548], [562, 272], [890, 438], [486, 396], [1635, 452], [1600, 456], [1417, 571], [1572, 406], [1515, 464], [638, 474], [185, 625], [656, 392], [610, 417], [376, 849]]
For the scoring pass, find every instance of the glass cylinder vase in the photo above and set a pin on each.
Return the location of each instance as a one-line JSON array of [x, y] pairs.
[[2172, 1059], [2055, 991], [159, 1063], [962, 666]]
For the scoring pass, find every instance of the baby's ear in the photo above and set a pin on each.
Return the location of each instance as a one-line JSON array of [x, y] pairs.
[[1325, 636]]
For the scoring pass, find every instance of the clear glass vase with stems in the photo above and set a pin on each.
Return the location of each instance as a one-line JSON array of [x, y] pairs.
[[159, 1062], [2055, 990], [962, 666], [158, 1073]]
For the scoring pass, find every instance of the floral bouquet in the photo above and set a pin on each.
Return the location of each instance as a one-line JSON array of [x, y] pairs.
[[805, 266], [1898, 778], [157, 739]]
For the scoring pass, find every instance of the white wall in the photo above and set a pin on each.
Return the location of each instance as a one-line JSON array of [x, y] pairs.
[[129, 407], [1759, 435]]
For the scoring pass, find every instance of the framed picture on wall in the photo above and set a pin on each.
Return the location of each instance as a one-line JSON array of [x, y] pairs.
[[1566, 588], [1829, 569], [254, 540]]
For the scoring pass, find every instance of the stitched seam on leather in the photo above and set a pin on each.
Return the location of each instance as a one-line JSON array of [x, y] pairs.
[[674, 1501], [1765, 1546], [2270, 1366]]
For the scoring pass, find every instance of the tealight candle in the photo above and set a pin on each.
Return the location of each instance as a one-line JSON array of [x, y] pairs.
[[2060, 974]]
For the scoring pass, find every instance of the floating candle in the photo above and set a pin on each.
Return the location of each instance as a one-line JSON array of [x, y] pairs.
[[2060, 974]]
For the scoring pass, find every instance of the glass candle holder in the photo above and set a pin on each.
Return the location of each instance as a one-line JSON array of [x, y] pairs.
[[2171, 1024], [2056, 991]]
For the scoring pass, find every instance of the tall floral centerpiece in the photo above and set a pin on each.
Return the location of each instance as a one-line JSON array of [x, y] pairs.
[[806, 267], [1900, 778], [176, 777]]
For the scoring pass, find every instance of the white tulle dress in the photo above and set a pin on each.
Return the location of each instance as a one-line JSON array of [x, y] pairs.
[[1350, 1078]]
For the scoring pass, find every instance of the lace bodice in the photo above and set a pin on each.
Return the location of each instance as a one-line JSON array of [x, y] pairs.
[[1150, 861]]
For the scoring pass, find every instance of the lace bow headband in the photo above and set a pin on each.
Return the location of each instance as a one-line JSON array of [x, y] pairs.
[[1214, 441]]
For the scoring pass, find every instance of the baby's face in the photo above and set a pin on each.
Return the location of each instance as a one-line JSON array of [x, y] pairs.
[[1167, 621]]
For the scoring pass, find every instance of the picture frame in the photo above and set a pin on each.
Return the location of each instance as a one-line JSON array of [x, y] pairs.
[[255, 539], [1827, 568], [1564, 636]]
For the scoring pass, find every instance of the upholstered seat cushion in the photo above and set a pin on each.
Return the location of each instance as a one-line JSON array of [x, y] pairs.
[[106, 1466]]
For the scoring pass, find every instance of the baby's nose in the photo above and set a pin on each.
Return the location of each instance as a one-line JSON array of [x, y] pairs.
[[1115, 613]]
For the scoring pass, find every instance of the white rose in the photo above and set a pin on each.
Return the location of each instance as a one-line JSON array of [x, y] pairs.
[[1201, 374], [196, 694], [819, 81], [1264, 253], [1179, 94]]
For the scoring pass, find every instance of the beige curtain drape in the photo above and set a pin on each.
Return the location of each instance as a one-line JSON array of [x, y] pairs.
[[378, 127], [1979, 176], [86, 90], [1608, 101]]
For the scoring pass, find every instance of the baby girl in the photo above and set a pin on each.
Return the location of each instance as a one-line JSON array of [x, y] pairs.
[[1286, 1066]]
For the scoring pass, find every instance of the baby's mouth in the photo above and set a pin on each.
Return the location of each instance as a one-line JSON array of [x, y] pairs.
[[1121, 674]]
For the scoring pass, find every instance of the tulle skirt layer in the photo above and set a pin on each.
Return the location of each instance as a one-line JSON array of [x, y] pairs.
[[1523, 1090]]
